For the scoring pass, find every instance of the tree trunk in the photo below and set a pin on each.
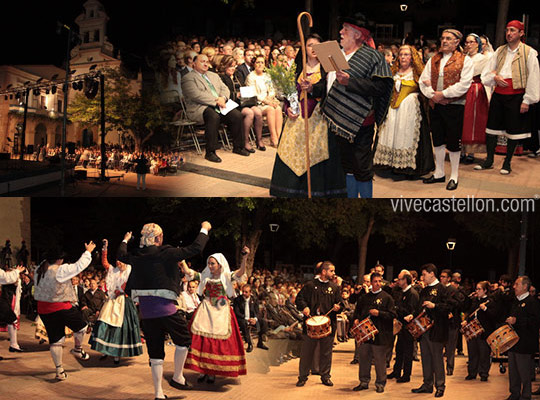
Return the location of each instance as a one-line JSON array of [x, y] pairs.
[[512, 260], [250, 237], [362, 249], [502, 15]]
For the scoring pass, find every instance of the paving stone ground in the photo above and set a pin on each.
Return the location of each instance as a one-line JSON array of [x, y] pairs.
[[30, 375]]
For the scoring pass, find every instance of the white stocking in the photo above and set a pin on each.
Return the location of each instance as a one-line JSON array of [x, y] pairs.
[[79, 337], [180, 355], [454, 163], [12, 331], [440, 154], [157, 376], [57, 350]]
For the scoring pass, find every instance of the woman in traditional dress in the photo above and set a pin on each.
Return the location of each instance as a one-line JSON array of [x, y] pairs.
[[7, 316], [266, 95], [289, 177], [216, 343], [404, 142], [117, 332], [476, 103], [11, 293]]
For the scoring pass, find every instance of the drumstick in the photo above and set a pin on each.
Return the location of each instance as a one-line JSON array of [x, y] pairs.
[[326, 315], [478, 309]]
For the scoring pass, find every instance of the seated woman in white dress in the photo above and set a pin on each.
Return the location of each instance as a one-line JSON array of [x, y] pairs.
[[266, 95], [404, 143]]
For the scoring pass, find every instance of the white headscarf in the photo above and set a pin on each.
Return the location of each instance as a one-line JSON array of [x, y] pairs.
[[225, 275], [149, 233]]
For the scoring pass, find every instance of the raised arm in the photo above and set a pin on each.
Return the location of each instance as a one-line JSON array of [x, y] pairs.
[[7, 278], [242, 270], [67, 271], [104, 260], [188, 272]]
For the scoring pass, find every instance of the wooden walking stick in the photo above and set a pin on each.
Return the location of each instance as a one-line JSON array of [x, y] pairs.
[[304, 93]]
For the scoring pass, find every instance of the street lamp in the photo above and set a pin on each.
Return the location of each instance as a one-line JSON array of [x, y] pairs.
[[273, 228], [451, 245]]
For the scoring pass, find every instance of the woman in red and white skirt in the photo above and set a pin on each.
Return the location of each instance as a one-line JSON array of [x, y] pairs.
[[216, 344]]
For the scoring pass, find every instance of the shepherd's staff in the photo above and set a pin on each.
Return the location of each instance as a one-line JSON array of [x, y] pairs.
[[304, 93]]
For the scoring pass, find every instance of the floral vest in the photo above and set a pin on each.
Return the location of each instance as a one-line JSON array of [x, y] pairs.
[[452, 70], [50, 290]]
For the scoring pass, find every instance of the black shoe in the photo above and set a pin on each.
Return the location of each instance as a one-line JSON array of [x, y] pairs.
[[422, 389], [157, 398], [403, 379], [327, 382], [468, 159], [536, 392], [178, 385], [241, 152], [354, 362], [210, 379], [450, 372], [393, 375], [213, 157], [439, 393], [379, 389], [485, 378], [103, 357], [252, 150], [261, 345], [470, 377], [301, 382], [14, 350], [202, 378], [360, 387], [261, 148], [432, 179], [483, 166], [416, 359], [249, 348], [452, 185]]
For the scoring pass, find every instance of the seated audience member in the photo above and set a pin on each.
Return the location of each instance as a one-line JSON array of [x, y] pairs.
[[266, 96], [79, 291], [246, 67], [92, 301], [250, 111], [190, 299], [246, 310], [206, 95]]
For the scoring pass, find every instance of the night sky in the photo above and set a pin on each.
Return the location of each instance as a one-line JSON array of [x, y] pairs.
[[74, 221], [135, 29]]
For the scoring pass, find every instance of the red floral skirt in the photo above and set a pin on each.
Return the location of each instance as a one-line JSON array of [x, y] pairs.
[[222, 357]]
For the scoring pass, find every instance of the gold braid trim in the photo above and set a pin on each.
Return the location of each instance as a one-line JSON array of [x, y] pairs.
[[214, 366], [218, 357]]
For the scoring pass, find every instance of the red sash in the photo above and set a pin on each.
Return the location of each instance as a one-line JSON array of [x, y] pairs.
[[509, 89]]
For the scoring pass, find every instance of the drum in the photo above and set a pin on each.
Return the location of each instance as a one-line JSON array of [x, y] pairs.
[[419, 325], [472, 330], [318, 327], [397, 326], [365, 330], [502, 340]]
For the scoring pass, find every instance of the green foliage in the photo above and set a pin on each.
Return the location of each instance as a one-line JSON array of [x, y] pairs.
[[125, 108], [283, 79]]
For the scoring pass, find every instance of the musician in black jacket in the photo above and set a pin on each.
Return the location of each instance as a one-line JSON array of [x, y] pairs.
[[525, 319], [318, 297], [456, 300], [485, 310], [433, 300], [407, 306], [247, 317], [378, 305]]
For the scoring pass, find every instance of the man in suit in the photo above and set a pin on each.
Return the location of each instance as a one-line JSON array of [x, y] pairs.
[[525, 319], [407, 304], [433, 300], [92, 301], [245, 308], [79, 290], [456, 300], [206, 96], [379, 307], [243, 70]]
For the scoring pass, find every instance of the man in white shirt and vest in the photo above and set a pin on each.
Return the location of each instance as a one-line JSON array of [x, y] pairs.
[[513, 70]]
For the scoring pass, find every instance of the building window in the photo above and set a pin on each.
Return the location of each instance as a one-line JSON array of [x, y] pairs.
[[96, 35], [86, 37], [91, 13], [59, 106], [43, 102]]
